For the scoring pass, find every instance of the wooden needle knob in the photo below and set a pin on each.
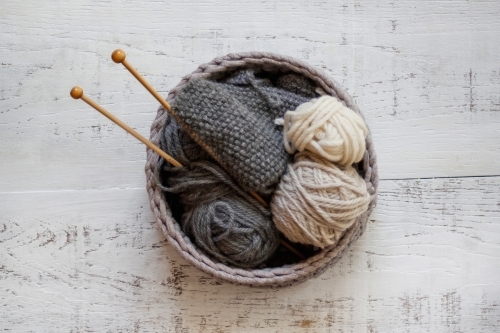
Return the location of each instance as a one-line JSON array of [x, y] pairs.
[[118, 56], [76, 92]]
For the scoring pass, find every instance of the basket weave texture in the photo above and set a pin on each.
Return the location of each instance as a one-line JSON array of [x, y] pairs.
[[276, 276]]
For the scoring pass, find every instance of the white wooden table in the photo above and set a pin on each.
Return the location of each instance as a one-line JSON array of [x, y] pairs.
[[80, 250]]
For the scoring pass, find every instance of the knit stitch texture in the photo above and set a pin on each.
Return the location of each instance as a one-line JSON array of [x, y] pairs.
[[234, 122]]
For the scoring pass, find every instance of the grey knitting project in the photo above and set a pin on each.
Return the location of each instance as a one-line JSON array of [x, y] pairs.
[[314, 265], [234, 122]]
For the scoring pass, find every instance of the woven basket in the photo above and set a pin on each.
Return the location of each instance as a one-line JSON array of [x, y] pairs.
[[278, 276]]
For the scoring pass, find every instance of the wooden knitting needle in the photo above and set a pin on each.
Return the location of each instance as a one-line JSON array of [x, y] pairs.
[[118, 56], [77, 93]]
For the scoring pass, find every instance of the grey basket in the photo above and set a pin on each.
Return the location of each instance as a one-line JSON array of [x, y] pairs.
[[278, 276]]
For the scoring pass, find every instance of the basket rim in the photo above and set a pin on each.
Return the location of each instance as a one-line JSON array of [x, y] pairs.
[[275, 276]]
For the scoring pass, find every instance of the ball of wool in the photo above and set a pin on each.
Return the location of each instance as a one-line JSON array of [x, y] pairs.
[[222, 220], [231, 230], [317, 200], [328, 128]]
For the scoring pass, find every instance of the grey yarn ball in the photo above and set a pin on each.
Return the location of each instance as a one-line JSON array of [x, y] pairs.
[[231, 230], [224, 221]]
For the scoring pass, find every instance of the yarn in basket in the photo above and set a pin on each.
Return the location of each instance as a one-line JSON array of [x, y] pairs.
[[166, 212], [328, 128], [224, 221], [317, 200]]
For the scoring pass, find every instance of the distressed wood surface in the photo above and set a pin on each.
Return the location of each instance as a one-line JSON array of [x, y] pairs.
[[79, 248]]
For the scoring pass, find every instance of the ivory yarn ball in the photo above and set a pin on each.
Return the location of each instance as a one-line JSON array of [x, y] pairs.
[[328, 128], [317, 200]]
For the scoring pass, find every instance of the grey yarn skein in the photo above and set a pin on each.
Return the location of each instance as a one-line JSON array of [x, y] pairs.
[[224, 221]]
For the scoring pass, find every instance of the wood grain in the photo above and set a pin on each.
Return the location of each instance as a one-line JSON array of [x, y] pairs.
[[428, 84], [427, 263], [79, 248]]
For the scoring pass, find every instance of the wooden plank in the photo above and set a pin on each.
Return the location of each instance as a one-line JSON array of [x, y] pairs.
[[425, 74], [79, 248], [94, 260]]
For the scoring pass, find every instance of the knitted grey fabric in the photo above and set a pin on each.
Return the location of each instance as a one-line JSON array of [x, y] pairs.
[[224, 221], [297, 84], [261, 97], [234, 122], [267, 277]]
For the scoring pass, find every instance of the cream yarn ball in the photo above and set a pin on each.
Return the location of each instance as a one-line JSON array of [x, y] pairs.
[[328, 128], [317, 200]]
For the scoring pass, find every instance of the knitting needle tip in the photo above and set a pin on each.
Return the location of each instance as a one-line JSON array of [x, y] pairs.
[[76, 92], [118, 56]]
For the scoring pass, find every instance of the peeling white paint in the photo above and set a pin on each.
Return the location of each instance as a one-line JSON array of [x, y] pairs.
[[79, 248]]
